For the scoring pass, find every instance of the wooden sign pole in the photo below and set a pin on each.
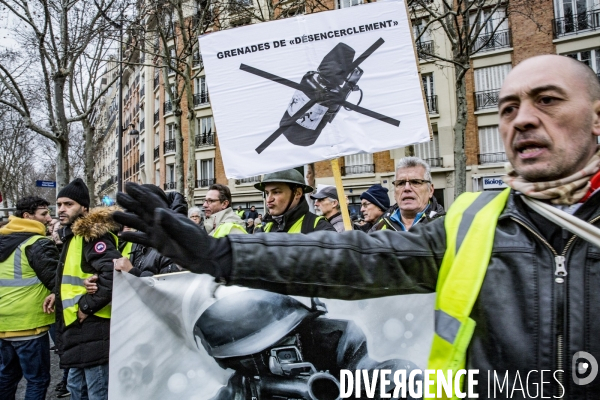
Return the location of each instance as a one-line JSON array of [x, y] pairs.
[[335, 166]]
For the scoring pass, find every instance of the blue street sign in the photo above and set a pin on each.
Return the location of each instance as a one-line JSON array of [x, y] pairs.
[[46, 184]]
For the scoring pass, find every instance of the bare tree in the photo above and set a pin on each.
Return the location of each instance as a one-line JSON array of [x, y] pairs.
[[16, 155], [53, 36]]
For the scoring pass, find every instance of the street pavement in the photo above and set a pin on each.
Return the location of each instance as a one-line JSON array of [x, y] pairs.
[[56, 374]]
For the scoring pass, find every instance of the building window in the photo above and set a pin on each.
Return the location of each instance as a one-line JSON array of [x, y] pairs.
[[200, 91], [170, 178], [591, 58], [575, 16], [169, 145], [429, 152], [491, 148], [422, 39], [358, 164], [157, 177], [430, 96], [491, 30], [205, 171], [488, 82], [348, 3], [205, 136]]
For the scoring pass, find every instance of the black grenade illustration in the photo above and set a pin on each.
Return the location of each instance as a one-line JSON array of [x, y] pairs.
[[320, 95]]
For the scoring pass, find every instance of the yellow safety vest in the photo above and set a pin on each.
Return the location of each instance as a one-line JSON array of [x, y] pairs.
[[296, 228], [225, 228], [126, 252], [470, 229], [71, 287], [21, 292]]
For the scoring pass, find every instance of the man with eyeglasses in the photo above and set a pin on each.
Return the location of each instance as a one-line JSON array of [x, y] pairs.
[[220, 219], [415, 202]]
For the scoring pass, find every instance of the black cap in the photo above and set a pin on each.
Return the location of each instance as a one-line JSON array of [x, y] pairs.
[[327, 191], [77, 191]]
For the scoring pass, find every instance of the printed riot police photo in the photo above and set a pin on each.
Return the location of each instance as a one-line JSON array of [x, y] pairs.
[[281, 349]]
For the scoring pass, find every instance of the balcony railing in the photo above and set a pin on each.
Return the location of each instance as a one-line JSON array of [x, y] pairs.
[[169, 146], [156, 118], [200, 98], [425, 47], [205, 140], [491, 41], [486, 99], [170, 185], [142, 159], [489, 158], [434, 162], [251, 179], [156, 152], [572, 24], [200, 183], [432, 106], [167, 107], [358, 169]]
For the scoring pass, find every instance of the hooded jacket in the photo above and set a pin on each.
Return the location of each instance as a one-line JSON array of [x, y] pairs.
[[526, 318], [227, 215], [42, 255], [434, 210], [86, 344]]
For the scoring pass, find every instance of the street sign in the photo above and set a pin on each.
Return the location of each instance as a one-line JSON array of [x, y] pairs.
[[46, 184]]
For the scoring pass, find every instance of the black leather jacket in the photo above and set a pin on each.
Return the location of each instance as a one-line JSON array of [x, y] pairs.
[[527, 320]]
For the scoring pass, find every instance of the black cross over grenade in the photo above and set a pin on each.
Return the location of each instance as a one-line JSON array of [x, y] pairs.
[[320, 95]]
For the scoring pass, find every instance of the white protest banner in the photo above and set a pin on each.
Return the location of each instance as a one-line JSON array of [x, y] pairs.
[[314, 87], [171, 338]]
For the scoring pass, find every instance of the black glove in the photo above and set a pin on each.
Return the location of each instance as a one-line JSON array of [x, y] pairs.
[[173, 235], [141, 203]]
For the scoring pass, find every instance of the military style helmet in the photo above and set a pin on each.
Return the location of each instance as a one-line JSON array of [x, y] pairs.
[[288, 176], [248, 322]]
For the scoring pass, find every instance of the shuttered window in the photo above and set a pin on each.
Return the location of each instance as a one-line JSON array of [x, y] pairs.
[[429, 151], [491, 78]]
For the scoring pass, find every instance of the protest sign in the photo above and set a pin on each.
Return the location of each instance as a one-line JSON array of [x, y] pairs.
[[172, 339], [314, 87]]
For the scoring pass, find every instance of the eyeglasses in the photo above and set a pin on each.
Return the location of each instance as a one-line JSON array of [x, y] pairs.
[[195, 216], [365, 204], [412, 182], [210, 201]]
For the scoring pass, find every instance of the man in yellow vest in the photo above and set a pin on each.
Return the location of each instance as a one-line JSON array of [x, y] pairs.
[[220, 219], [83, 320], [28, 262], [516, 272], [288, 210]]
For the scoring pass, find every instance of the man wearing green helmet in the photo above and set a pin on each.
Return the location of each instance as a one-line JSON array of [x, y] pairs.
[[288, 210]]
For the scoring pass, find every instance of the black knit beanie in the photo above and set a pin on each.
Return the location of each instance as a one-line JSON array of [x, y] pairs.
[[377, 195], [78, 191]]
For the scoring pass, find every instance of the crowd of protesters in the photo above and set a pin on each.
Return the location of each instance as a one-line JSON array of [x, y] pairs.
[[56, 275], [65, 286]]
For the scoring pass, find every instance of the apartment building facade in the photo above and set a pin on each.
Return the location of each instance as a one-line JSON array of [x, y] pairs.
[[570, 27]]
